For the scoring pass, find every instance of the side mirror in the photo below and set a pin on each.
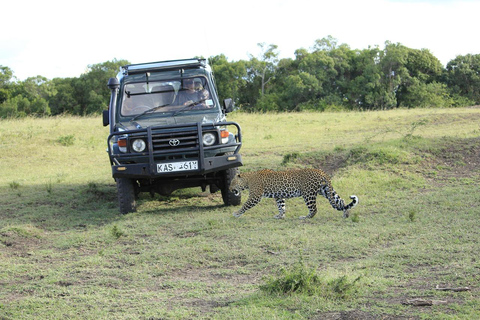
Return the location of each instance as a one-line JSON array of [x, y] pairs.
[[228, 105], [106, 119]]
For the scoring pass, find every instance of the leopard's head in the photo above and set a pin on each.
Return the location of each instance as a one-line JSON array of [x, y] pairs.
[[238, 184]]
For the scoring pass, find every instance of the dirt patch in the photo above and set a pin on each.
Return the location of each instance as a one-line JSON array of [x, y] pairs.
[[330, 163], [18, 244], [452, 158], [456, 159]]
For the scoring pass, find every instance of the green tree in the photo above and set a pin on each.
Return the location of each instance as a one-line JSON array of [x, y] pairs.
[[265, 66], [328, 43], [65, 100], [230, 77], [38, 88], [90, 89], [6, 75], [322, 76], [426, 95], [32, 95], [321, 66], [268, 102], [394, 74], [27, 97], [421, 88], [23, 106], [393, 77], [39, 106], [365, 89], [8, 108], [260, 71], [301, 91], [463, 77], [423, 65]]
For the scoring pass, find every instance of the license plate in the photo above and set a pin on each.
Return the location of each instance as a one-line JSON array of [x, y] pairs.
[[177, 166]]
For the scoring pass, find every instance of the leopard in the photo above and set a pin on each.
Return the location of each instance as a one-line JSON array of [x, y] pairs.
[[280, 185]]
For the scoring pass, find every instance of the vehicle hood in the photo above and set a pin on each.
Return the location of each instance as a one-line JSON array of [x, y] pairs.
[[167, 121]]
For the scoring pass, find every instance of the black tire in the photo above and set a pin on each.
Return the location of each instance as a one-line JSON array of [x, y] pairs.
[[126, 195], [229, 198]]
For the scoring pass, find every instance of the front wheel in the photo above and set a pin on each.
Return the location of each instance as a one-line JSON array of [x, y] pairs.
[[229, 197], [126, 195]]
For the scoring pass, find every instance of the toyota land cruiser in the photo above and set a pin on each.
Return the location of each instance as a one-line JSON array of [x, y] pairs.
[[168, 131]]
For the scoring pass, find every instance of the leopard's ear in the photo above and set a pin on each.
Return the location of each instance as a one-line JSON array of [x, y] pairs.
[[238, 175]]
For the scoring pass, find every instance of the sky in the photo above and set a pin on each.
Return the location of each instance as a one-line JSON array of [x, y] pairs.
[[55, 38]]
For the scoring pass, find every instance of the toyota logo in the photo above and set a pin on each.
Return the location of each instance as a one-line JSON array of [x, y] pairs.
[[174, 142]]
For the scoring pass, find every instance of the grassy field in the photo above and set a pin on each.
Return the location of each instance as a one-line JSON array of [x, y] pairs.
[[66, 253]]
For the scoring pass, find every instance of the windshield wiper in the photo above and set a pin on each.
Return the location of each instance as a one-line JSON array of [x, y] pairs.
[[189, 106], [149, 111]]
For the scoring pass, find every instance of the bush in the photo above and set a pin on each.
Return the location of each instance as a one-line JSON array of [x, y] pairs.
[[298, 279], [303, 280]]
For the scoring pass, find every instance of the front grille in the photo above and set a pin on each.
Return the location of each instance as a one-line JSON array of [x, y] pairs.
[[167, 141]]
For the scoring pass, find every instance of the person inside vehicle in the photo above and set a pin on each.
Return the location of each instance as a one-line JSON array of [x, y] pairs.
[[188, 94], [193, 92]]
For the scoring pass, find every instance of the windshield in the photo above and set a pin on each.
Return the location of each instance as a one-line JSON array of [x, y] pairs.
[[162, 97]]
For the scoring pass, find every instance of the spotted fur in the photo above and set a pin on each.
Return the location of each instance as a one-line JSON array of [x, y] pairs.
[[306, 183]]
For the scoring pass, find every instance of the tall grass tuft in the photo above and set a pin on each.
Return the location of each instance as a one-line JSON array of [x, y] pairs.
[[49, 186], [67, 140], [343, 288], [301, 279], [412, 215], [355, 217], [116, 232], [298, 279], [14, 185], [289, 157]]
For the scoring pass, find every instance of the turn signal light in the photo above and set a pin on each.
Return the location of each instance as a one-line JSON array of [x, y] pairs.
[[122, 143]]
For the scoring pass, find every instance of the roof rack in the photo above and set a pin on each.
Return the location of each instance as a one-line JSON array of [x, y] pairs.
[[163, 65]]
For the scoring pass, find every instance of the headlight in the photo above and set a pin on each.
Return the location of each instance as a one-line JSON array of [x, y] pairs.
[[209, 139], [138, 145]]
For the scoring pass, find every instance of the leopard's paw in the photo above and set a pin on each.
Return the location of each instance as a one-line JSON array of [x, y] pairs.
[[237, 215], [279, 216]]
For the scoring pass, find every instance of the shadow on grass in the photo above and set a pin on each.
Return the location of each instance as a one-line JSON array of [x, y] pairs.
[[181, 209], [61, 206]]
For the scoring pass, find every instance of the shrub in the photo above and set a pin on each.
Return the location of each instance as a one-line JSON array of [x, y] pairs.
[[304, 280], [297, 279]]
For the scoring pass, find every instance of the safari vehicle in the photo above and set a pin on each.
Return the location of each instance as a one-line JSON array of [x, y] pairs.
[[168, 131]]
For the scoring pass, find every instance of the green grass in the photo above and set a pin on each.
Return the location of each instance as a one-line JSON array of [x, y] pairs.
[[65, 252]]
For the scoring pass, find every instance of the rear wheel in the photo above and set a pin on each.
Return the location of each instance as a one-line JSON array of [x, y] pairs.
[[229, 198], [126, 195]]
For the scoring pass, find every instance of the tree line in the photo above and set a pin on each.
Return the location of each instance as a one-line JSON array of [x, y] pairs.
[[328, 76]]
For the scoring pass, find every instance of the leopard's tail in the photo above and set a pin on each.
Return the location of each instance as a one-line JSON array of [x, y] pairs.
[[339, 204]]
